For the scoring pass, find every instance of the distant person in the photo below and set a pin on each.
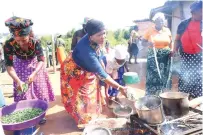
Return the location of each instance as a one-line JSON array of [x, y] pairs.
[[132, 44], [59, 43], [189, 41], [50, 57], [79, 34]]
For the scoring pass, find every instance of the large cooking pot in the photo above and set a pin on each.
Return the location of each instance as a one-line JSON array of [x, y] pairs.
[[149, 109], [175, 104]]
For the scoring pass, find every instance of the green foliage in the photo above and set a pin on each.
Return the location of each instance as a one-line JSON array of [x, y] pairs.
[[119, 36], [44, 39]]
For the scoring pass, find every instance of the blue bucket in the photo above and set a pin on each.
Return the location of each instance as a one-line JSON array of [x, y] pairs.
[[27, 131]]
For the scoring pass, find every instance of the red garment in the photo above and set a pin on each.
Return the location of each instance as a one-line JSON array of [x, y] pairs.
[[191, 37]]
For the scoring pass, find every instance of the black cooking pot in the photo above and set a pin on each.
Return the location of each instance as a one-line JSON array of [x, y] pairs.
[[175, 104]]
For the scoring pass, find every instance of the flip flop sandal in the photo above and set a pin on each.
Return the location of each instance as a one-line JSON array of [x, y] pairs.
[[42, 121]]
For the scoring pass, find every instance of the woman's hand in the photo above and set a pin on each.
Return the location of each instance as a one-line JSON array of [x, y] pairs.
[[20, 85], [123, 91], [31, 77]]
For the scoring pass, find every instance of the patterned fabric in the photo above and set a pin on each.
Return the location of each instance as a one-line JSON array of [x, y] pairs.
[[41, 87], [112, 91], [11, 48], [19, 26], [154, 85], [190, 79], [80, 92]]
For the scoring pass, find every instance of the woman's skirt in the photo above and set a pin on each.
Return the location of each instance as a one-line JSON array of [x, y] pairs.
[[155, 85], [41, 86], [190, 78], [133, 49], [80, 92]]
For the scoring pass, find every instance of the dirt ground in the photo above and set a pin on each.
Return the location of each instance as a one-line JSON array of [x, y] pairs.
[[58, 121]]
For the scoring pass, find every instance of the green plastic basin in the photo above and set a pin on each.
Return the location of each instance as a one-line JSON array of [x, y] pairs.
[[131, 78]]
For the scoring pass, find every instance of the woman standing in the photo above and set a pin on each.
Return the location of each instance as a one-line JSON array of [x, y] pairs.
[[158, 38], [189, 39], [24, 61], [80, 75]]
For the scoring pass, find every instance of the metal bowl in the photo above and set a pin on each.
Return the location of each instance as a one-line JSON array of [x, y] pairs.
[[125, 112], [95, 130]]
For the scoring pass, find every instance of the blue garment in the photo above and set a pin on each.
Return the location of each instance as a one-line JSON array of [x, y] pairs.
[[85, 56], [102, 83], [112, 91]]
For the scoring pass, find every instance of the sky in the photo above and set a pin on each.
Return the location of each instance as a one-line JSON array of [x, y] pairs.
[[59, 16]]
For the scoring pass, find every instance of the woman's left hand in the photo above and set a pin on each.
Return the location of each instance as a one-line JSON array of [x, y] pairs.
[[31, 77]]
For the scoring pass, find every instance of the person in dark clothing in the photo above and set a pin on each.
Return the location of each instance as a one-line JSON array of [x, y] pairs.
[[79, 34], [132, 44], [49, 49]]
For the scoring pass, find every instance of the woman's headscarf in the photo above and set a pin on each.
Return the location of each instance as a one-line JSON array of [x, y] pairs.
[[158, 15], [19, 26], [94, 26]]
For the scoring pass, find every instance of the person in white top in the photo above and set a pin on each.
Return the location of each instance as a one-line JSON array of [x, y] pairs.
[[115, 62]]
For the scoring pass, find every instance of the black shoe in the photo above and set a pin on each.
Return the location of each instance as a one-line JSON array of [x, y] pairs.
[[42, 121]]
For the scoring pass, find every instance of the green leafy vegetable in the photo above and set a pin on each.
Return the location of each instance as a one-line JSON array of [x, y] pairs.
[[22, 115]]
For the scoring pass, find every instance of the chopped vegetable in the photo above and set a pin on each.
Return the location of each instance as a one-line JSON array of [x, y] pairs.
[[25, 88], [22, 115]]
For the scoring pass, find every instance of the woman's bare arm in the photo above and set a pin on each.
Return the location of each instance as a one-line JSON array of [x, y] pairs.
[[11, 71]]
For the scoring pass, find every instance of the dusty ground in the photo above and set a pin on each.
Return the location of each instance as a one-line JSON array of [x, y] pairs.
[[58, 121]]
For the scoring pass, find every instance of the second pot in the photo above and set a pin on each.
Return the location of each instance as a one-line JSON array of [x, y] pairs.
[[149, 109]]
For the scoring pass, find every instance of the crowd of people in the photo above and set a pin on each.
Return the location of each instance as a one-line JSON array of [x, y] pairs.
[[92, 63]]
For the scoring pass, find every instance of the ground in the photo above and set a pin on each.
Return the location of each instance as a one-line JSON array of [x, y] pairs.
[[58, 121]]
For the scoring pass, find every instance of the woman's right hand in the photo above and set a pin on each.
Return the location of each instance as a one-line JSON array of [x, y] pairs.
[[20, 85], [123, 91]]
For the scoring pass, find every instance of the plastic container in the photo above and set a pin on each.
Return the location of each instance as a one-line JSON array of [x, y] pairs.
[[131, 78], [27, 131]]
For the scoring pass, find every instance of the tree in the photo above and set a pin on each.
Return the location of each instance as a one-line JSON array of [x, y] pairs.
[[44, 39]]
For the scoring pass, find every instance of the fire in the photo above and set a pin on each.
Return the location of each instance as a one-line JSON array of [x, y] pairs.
[[141, 131]]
